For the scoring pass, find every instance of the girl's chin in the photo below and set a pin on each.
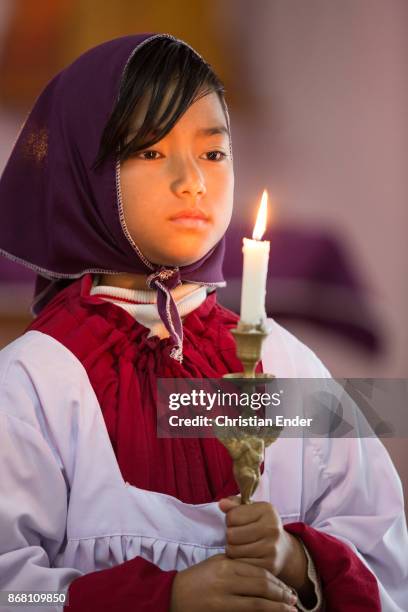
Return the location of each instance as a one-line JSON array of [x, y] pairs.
[[181, 259], [181, 251]]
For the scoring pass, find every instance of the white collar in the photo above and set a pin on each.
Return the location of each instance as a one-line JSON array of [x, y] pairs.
[[141, 304]]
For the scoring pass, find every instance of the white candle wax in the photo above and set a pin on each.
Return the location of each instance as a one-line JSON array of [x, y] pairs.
[[256, 257]]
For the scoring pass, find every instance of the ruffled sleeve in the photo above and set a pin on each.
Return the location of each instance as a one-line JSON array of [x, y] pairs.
[[347, 583], [315, 580]]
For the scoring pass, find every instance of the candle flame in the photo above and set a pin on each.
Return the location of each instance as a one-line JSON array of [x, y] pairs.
[[260, 225]]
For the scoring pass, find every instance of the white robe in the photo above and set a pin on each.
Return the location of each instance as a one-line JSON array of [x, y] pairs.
[[65, 509]]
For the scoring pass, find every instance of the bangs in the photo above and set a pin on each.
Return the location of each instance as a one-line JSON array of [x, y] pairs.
[[162, 78]]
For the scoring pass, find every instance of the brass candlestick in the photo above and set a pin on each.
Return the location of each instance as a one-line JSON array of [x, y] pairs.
[[246, 445]]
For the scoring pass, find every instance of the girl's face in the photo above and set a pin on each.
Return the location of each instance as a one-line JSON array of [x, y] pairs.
[[177, 195]]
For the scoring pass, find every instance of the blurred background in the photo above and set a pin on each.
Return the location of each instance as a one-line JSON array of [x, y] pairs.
[[318, 95]]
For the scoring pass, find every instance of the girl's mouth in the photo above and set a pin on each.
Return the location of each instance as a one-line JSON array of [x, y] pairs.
[[191, 218]]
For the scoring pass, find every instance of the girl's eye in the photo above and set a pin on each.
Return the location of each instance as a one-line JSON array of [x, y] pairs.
[[216, 155], [149, 155]]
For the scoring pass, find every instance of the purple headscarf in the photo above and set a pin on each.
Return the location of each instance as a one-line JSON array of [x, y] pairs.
[[63, 219]]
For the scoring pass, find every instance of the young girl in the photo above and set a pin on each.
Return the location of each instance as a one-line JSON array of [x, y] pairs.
[[118, 193]]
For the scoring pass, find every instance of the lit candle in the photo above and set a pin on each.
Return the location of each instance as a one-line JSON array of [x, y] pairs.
[[256, 256]]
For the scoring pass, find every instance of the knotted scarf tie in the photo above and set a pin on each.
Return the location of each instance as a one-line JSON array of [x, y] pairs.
[[164, 280]]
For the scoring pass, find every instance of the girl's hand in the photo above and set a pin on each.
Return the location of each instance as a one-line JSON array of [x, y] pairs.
[[255, 535], [220, 584]]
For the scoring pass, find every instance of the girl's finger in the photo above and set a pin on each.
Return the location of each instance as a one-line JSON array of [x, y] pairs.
[[246, 533], [241, 603], [263, 587], [260, 549], [249, 513], [227, 503], [254, 569]]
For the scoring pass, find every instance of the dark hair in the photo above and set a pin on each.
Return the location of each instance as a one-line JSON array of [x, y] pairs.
[[151, 70]]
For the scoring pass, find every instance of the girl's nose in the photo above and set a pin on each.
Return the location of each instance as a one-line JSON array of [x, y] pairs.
[[188, 180]]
